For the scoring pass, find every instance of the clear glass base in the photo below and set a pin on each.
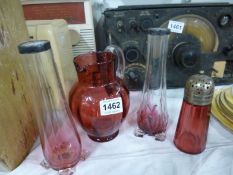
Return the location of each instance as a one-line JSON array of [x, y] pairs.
[[84, 155], [44, 164], [159, 137], [139, 133], [67, 171]]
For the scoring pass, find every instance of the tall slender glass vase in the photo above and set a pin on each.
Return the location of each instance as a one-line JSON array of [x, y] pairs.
[[59, 138], [152, 116]]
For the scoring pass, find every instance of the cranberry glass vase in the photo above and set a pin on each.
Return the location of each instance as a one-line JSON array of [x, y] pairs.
[[99, 100], [58, 135], [193, 123], [152, 116]]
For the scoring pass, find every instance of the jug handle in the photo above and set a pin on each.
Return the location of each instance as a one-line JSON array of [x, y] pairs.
[[116, 50]]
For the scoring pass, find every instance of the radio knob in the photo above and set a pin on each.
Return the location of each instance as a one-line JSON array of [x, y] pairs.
[[146, 23], [133, 25], [224, 20], [186, 55], [228, 51], [120, 26], [134, 76]]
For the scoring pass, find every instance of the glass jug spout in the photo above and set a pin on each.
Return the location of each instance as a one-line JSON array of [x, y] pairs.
[[120, 59]]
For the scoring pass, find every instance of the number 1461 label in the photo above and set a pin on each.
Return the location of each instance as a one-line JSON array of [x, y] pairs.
[[111, 106], [176, 26]]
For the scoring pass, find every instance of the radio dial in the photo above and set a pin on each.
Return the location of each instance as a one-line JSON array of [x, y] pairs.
[[132, 54], [134, 76], [186, 55]]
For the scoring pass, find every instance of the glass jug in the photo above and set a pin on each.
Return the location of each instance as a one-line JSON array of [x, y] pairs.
[[100, 100], [152, 115]]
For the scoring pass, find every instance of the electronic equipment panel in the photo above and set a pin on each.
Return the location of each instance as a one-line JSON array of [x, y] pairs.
[[201, 39]]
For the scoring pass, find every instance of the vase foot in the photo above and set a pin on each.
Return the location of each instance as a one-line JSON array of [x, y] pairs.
[[160, 136], [139, 133], [104, 139], [45, 164], [84, 155], [67, 171]]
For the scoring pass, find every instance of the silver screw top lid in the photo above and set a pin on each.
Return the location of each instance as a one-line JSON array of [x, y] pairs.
[[199, 89]]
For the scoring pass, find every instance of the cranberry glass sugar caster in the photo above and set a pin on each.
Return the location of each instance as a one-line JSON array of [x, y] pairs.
[[192, 128]]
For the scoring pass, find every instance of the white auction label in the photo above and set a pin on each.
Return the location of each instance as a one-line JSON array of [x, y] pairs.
[[111, 106], [176, 26]]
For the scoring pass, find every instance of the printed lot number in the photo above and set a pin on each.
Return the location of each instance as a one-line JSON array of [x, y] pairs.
[[176, 26], [111, 106]]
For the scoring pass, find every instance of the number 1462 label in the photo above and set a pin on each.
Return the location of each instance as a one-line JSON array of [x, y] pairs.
[[111, 106]]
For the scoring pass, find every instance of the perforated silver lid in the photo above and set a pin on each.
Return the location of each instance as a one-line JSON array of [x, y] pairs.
[[199, 89]]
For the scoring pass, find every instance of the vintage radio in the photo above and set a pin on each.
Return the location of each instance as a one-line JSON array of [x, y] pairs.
[[77, 13], [57, 32], [201, 39]]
